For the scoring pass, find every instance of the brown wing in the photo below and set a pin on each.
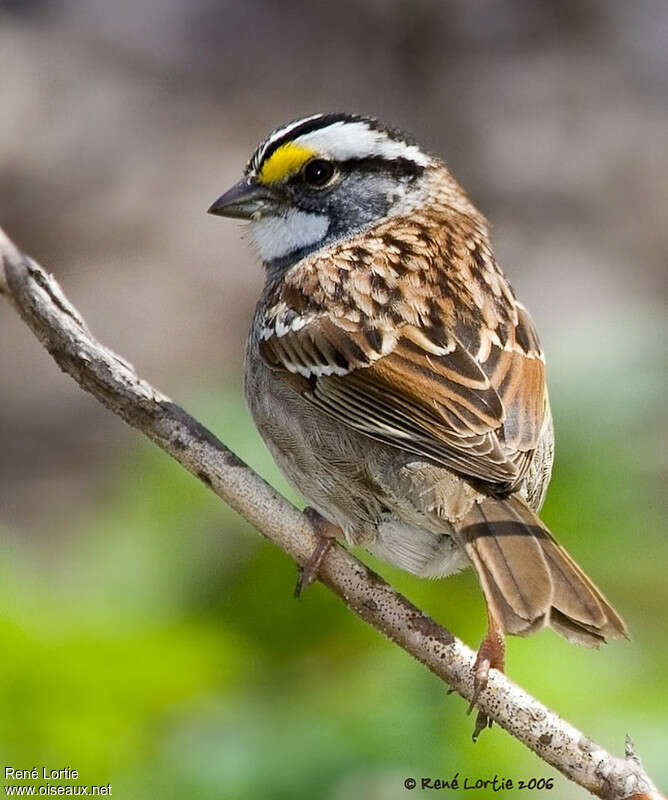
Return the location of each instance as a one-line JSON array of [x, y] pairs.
[[434, 357]]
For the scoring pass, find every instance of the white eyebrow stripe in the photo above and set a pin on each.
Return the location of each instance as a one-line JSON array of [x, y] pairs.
[[344, 140]]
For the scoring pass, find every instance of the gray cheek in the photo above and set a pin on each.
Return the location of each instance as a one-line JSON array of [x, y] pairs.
[[357, 202]]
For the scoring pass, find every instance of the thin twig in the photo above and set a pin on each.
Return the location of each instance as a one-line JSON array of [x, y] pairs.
[[113, 381]]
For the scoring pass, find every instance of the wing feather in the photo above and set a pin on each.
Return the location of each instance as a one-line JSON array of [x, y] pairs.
[[447, 367]]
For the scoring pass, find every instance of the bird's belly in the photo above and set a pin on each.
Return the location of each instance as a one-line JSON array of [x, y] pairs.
[[319, 457], [347, 478]]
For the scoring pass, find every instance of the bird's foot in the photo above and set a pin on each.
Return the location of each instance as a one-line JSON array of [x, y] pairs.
[[491, 655], [327, 533]]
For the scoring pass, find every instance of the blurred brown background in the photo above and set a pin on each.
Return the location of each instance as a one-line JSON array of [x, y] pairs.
[[121, 122]]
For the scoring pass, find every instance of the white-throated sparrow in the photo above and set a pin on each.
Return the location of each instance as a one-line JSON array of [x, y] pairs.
[[395, 378]]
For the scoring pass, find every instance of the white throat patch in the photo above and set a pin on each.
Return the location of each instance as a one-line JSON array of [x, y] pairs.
[[277, 236]]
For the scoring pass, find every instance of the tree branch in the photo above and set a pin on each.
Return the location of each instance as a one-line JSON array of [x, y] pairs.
[[113, 381]]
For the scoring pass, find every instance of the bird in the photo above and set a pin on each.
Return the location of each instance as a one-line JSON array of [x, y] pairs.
[[397, 380]]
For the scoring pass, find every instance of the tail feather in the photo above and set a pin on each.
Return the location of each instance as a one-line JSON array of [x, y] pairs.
[[498, 606], [575, 632], [530, 581]]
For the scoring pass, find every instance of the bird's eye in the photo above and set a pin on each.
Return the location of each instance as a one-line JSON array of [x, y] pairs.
[[318, 172]]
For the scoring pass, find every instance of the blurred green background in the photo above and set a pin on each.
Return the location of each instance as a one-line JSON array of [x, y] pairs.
[[148, 636]]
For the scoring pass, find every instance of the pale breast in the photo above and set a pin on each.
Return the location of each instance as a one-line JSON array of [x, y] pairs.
[[323, 460]]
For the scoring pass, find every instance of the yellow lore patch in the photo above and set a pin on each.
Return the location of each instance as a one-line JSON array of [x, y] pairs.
[[287, 160]]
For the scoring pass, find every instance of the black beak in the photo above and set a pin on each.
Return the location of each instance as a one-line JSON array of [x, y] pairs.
[[244, 200]]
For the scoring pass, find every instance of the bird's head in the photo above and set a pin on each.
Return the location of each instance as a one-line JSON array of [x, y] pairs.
[[324, 178]]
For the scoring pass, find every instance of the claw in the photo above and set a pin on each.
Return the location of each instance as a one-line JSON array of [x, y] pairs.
[[480, 676], [327, 534], [491, 655], [482, 721]]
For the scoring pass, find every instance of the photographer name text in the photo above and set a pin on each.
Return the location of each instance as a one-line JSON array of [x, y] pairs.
[[495, 784], [47, 774]]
